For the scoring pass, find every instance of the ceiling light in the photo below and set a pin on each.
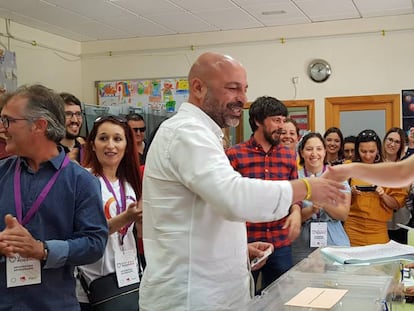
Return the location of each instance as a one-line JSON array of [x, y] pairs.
[[274, 12]]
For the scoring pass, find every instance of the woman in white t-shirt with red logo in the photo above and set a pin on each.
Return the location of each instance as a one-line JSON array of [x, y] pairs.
[[110, 154]]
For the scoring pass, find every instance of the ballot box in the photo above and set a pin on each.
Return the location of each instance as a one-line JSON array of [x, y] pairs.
[[367, 287]]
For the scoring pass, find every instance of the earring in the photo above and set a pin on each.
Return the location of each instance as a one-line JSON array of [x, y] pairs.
[[377, 158]]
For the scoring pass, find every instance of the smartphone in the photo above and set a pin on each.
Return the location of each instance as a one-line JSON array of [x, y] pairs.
[[258, 260], [366, 188]]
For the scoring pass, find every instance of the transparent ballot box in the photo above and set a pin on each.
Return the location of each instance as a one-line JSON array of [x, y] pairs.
[[369, 286]]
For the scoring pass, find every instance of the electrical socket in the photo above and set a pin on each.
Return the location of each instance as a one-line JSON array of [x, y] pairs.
[[295, 80]]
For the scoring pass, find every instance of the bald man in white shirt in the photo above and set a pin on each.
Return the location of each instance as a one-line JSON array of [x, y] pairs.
[[195, 205]]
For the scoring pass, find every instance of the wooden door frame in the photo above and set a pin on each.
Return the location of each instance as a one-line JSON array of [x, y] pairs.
[[309, 104], [388, 102]]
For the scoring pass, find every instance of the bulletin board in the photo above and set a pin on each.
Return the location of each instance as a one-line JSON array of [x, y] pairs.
[[143, 95]]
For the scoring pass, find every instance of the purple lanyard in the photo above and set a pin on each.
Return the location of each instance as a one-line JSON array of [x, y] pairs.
[[42, 196], [119, 207]]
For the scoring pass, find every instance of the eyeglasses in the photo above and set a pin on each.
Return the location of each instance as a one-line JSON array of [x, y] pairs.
[[393, 141], [7, 120], [70, 114], [139, 129], [110, 117]]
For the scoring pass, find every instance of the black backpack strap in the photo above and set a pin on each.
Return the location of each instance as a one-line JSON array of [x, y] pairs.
[[82, 280]]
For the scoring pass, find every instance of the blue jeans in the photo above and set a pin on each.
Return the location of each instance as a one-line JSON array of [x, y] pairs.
[[277, 263]]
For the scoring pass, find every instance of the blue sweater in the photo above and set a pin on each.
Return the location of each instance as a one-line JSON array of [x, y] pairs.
[[70, 220]]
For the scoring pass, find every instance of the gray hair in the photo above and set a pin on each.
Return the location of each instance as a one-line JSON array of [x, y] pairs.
[[46, 104]]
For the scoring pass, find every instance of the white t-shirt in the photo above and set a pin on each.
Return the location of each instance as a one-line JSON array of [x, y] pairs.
[[194, 211], [106, 264]]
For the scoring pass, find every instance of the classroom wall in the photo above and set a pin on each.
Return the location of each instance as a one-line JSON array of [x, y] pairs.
[[364, 60], [39, 63]]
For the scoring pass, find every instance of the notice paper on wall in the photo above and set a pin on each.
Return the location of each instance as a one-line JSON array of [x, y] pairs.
[[319, 298]]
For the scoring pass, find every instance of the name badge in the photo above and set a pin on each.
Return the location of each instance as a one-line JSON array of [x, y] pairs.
[[22, 271], [126, 267], [318, 234]]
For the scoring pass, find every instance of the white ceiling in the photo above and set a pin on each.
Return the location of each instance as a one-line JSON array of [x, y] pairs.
[[88, 20]]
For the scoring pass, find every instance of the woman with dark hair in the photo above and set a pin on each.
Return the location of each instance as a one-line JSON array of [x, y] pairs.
[[394, 144], [111, 155], [290, 134], [371, 206], [334, 141], [394, 147], [325, 219]]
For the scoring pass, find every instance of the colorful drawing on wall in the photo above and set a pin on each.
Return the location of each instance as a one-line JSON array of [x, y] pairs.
[[407, 102], [107, 92], [145, 95]]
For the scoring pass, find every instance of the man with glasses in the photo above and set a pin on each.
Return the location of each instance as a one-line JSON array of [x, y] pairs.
[[137, 123], [51, 217], [72, 143]]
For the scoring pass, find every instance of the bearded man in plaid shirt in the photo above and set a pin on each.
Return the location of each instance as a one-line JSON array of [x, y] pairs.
[[262, 156]]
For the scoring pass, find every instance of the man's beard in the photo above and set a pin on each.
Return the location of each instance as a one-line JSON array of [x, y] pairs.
[[70, 135], [270, 137], [211, 105]]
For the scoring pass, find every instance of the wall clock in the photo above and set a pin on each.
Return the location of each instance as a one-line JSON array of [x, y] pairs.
[[319, 70]]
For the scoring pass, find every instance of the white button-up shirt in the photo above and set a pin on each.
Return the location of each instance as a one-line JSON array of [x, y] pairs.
[[194, 211]]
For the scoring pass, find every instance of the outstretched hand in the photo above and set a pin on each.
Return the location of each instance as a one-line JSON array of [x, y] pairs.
[[339, 173], [326, 191]]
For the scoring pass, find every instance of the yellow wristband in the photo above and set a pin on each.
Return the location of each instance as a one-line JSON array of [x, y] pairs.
[[308, 189]]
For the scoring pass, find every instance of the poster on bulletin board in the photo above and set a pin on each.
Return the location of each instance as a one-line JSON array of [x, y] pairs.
[[143, 95]]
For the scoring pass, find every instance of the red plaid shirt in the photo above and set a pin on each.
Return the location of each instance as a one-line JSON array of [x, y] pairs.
[[279, 163]]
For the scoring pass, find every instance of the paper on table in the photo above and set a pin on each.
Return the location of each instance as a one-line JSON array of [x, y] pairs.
[[312, 297], [390, 251]]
